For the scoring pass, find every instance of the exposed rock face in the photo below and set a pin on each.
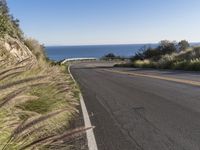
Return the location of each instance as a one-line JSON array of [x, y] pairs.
[[16, 48]]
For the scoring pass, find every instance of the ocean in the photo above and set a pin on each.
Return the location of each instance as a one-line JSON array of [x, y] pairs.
[[95, 51]]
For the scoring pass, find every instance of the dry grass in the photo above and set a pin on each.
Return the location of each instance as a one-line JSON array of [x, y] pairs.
[[36, 106], [184, 60]]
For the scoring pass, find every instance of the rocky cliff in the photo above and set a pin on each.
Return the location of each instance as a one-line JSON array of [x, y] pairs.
[[14, 51]]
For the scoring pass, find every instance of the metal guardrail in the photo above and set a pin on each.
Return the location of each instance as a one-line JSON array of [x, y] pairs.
[[77, 59]]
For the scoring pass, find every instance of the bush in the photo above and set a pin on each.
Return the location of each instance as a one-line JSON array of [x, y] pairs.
[[168, 56], [196, 52], [154, 54], [8, 24], [36, 48], [183, 45], [112, 56]]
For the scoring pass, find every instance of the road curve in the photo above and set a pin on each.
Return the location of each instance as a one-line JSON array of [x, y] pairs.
[[139, 112]]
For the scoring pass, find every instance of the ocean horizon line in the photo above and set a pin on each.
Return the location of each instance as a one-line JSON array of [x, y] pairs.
[[145, 43], [100, 44]]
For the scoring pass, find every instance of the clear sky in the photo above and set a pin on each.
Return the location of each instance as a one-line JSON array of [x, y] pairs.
[[77, 22]]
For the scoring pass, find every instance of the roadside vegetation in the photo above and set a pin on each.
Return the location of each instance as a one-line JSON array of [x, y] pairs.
[[38, 99], [167, 55], [112, 57]]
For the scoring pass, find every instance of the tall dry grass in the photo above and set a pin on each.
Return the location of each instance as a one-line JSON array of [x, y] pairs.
[[37, 103]]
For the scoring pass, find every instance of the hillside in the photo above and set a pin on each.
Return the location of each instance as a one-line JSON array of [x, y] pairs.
[[38, 99]]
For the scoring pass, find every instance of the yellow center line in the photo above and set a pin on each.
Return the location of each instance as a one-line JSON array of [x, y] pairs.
[[194, 83]]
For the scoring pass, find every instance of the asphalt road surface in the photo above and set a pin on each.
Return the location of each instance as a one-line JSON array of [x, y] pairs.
[[133, 112]]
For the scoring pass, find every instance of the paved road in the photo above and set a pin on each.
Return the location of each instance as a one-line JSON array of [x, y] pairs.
[[133, 112]]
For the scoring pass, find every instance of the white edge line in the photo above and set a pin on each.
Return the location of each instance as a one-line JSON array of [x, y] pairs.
[[92, 145]]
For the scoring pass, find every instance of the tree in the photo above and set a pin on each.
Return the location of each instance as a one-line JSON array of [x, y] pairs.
[[144, 53], [3, 7], [4, 19], [183, 45], [167, 47], [8, 24], [140, 54]]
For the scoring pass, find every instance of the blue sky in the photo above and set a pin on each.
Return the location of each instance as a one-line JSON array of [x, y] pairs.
[[90, 22]]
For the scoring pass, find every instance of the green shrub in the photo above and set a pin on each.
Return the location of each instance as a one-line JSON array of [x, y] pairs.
[[8, 24], [167, 55], [183, 45]]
